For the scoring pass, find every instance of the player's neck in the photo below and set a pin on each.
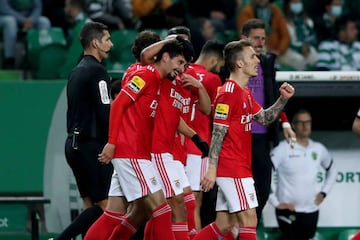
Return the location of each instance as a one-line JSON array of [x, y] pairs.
[[239, 78]]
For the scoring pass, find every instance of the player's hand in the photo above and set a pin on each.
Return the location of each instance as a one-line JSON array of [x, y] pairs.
[[319, 199], [290, 136], [187, 80], [209, 178], [107, 153], [288, 206], [286, 90]]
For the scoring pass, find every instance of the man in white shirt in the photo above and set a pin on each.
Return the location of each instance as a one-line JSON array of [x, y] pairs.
[[297, 196]]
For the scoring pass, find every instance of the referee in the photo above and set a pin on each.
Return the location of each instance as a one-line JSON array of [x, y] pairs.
[[88, 97]]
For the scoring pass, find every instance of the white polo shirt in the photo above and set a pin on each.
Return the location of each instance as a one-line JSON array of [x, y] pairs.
[[297, 169]]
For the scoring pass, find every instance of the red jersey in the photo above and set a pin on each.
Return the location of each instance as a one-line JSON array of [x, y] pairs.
[[135, 126], [200, 122], [129, 71], [234, 108], [167, 117], [191, 96]]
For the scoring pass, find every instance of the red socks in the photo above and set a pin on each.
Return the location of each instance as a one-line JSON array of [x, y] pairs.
[[123, 231], [180, 230], [161, 223], [210, 232], [247, 233], [104, 226], [190, 203]]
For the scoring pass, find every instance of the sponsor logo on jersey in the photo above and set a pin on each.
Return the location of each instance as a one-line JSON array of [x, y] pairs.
[[221, 111], [136, 84], [104, 93]]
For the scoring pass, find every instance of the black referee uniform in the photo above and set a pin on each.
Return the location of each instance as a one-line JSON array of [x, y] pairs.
[[88, 96]]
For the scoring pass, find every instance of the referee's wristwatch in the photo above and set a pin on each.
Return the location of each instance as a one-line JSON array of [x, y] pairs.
[[324, 194]]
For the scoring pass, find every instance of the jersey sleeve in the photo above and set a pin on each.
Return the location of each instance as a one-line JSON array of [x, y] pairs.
[[137, 83], [328, 164], [224, 105]]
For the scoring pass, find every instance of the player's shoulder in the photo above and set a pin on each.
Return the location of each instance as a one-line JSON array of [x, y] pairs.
[[317, 145], [228, 87]]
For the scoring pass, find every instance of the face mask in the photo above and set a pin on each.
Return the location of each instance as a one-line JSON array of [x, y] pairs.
[[336, 11], [296, 8]]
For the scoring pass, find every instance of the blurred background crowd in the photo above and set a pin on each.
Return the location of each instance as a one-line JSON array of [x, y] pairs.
[[305, 35]]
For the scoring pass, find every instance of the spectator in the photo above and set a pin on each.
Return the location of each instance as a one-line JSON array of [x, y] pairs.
[[301, 54], [356, 124], [103, 11], [221, 13], [297, 197], [324, 24], [54, 11], [265, 90], [151, 13], [15, 15], [277, 34], [74, 13], [342, 53], [201, 31]]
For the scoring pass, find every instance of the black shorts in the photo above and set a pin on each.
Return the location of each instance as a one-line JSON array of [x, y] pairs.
[[93, 178]]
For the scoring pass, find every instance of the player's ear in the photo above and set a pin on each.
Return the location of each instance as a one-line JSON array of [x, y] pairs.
[[94, 43]]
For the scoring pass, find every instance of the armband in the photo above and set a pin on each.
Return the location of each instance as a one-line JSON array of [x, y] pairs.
[[324, 194], [286, 125], [358, 114]]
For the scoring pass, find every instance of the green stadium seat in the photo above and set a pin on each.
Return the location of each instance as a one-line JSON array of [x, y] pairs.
[[50, 58], [123, 41], [36, 39], [347, 234]]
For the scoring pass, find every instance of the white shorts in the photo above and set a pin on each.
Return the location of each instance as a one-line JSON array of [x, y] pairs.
[[170, 176], [115, 188], [235, 194], [183, 178], [137, 178], [195, 170]]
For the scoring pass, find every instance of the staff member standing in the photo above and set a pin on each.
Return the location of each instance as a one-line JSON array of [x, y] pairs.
[[297, 196], [88, 96]]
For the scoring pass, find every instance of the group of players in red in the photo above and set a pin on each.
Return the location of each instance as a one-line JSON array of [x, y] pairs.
[[167, 112]]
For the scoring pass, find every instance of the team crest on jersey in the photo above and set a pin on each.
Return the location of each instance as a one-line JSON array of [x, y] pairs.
[[221, 111], [314, 156], [136, 84]]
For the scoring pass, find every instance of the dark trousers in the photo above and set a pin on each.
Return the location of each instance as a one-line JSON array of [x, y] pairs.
[[261, 167], [297, 225]]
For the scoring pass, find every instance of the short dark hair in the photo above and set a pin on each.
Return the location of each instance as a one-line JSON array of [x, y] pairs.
[[251, 24], [176, 48], [143, 40], [91, 31], [233, 51], [215, 47], [300, 111], [180, 30]]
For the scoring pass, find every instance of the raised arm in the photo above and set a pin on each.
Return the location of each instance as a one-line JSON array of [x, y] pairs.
[[270, 114]]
